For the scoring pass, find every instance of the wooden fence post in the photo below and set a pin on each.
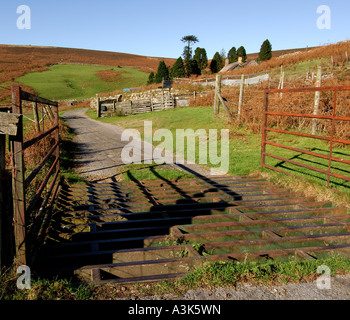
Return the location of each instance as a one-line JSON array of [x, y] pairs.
[[217, 94], [308, 72], [50, 114], [281, 84], [98, 107], [18, 189], [36, 116], [332, 63], [241, 94], [317, 99]]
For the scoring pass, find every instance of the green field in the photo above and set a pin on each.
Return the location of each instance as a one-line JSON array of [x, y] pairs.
[[79, 81]]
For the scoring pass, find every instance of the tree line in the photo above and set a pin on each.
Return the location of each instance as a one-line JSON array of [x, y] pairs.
[[194, 64]]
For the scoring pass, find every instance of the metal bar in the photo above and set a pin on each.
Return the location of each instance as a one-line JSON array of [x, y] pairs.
[[308, 167], [18, 191], [171, 194], [29, 143], [57, 136], [264, 131], [308, 135], [231, 219], [307, 238], [300, 115], [39, 166], [3, 200], [236, 255], [246, 242], [307, 152], [332, 137], [37, 226], [179, 208], [190, 199], [41, 188], [284, 252]]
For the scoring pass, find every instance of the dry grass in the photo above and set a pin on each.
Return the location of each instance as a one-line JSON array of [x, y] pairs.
[[110, 75]]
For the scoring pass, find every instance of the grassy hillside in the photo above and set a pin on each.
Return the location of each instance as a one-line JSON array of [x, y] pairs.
[[81, 81], [17, 61]]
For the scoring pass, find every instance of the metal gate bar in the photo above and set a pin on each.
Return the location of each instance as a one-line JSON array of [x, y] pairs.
[[25, 210], [332, 140], [126, 242]]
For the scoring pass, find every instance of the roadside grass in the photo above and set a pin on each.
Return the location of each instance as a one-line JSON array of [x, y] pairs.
[[245, 148], [80, 81], [230, 274], [42, 289], [211, 275], [67, 146]]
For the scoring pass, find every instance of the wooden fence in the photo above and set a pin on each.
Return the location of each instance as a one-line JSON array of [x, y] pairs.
[[136, 106]]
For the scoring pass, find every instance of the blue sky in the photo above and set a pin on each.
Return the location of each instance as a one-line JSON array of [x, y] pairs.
[[155, 27]]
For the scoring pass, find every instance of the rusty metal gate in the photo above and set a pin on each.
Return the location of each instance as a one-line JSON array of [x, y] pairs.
[[295, 112], [34, 185]]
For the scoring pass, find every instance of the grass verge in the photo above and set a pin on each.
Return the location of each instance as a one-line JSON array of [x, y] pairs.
[[230, 274], [145, 172], [212, 275], [66, 157]]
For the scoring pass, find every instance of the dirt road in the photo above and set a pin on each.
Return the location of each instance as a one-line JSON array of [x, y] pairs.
[[99, 148]]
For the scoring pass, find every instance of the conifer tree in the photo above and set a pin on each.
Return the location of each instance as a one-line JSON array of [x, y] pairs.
[[162, 73], [193, 68], [150, 78], [232, 55], [241, 52], [178, 69], [216, 64], [265, 51], [200, 55]]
